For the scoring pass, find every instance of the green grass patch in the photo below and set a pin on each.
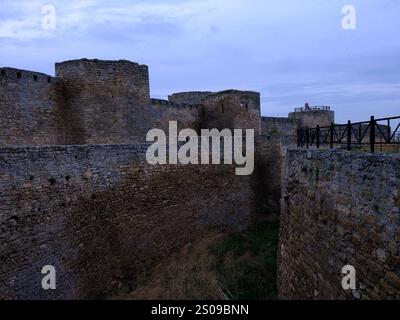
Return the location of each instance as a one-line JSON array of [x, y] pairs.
[[246, 261]]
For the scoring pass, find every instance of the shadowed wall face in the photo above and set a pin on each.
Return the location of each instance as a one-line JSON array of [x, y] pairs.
[[102, 216], [338, 209]]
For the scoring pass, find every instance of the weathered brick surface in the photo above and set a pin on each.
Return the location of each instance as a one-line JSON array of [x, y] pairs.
[[101, 215], [340, 208]]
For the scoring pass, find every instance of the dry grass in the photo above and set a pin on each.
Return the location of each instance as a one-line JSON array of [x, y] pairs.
[[190, 274], [240, 265]]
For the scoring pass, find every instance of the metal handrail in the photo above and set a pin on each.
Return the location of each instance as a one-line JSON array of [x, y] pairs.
[[352, 134]]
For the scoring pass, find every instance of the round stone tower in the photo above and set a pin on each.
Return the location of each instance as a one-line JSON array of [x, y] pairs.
[[103, 102], [309, 116], [232, 109]]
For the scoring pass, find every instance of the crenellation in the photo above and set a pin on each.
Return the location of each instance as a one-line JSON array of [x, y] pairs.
[[25, 76]]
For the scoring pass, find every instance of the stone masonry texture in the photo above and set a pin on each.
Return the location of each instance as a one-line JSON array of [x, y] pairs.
[[101, 215], [340, 208]]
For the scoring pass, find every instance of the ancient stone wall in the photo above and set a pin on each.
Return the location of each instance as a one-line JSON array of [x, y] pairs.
[[340, 208], [102, 216], [161, 112], [28, 114], [273, 126]]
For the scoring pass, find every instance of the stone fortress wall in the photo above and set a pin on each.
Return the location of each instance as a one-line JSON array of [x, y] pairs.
[[108, 102], [77, 193]]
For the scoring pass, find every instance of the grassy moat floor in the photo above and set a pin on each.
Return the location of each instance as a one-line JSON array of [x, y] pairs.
[[239, 265]]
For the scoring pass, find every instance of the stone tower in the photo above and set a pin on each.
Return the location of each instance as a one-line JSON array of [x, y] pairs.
[[313, 116], [102, 100], [232, 109]]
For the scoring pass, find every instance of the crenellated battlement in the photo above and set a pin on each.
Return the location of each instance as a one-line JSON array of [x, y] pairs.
[[92, 101], [25, 76]]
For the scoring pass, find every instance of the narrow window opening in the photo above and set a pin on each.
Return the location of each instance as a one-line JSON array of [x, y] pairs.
[[3, 72], [35, 78], [222, 108], [247, 107], [48, 79], [19, 75]]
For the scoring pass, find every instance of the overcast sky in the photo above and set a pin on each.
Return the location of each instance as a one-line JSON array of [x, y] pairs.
[[291, 51]]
